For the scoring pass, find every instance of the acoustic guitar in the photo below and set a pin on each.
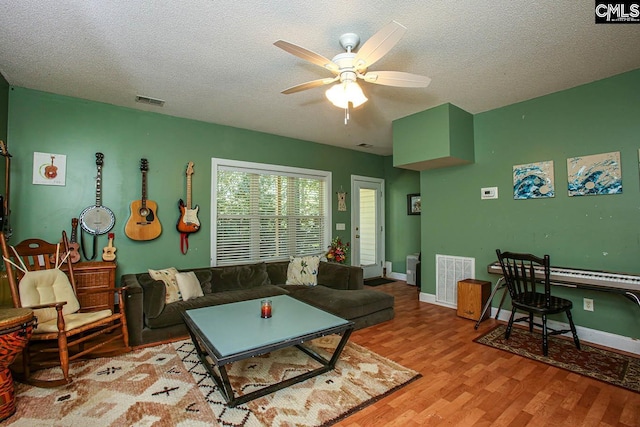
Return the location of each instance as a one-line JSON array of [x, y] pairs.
[[188, 221], [109, 252], [143, 223]]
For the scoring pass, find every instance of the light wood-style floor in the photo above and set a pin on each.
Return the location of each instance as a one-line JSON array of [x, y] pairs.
[[468, 384]]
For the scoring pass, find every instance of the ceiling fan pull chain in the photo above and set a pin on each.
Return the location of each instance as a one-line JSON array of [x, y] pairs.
[[346, 115]]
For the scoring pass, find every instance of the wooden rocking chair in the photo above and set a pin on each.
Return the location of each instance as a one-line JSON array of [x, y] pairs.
[[63, 327]]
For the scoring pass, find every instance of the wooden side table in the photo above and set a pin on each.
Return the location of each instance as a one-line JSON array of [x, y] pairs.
[[472, 296], [95, 275]]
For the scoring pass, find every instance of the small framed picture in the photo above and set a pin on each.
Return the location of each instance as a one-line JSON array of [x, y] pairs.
[[414, 207]]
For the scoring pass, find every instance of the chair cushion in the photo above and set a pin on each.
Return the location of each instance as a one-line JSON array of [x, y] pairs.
[[46, 287], [71, 321]]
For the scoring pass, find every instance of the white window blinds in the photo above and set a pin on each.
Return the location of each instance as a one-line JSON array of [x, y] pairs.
[[267, 212]]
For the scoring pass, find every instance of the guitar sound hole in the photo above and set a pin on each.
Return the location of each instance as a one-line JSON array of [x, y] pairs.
[[144, 212]]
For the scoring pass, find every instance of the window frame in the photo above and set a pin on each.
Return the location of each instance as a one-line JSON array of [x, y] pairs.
[[271, 169]]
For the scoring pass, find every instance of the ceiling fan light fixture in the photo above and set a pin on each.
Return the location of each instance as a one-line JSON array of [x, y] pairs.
[[346, 92]]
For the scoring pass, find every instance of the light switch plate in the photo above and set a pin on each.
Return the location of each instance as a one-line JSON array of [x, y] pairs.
[[489, 193], [339, 226]]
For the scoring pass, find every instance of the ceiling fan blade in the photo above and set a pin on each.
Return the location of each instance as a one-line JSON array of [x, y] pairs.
[[309, 85], [378, 45], [307, 55], [396, 78]]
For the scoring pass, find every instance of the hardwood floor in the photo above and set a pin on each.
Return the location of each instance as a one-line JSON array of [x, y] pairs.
[[468, 384]]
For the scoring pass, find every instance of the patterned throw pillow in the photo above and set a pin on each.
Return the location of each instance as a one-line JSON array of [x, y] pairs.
[[189, 285], [303, 270], [168, 276]]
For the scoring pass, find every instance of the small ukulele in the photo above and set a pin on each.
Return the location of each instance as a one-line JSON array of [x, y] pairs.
[[74, 246], [109, 252], [143, 223]]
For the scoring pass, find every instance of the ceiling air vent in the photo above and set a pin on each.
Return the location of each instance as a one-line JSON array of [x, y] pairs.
[[363, 145], [148, 100]]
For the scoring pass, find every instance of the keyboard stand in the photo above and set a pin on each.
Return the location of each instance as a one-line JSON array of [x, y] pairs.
[[500, 284]]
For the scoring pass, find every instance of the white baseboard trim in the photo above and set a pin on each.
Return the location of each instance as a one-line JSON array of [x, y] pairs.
[[607, 339], [397, 276]]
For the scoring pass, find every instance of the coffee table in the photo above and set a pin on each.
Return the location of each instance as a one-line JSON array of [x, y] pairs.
[[223, 334]]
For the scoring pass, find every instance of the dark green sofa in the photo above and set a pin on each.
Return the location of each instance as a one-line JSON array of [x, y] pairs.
[[340, 291]]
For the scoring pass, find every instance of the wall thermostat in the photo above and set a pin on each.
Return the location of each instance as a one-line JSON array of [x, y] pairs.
[[489, 193]]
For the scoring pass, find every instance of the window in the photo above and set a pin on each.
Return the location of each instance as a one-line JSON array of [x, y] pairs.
[[266, 212]]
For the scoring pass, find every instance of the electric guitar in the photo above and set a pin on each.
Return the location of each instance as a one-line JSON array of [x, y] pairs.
[[109, 252], [188, 221], [143, 223]]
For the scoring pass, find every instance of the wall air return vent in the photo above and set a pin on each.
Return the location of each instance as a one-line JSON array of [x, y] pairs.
[[449, 271], [148, 100]]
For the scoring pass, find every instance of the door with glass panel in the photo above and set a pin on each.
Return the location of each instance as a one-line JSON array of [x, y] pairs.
[[367, 224]]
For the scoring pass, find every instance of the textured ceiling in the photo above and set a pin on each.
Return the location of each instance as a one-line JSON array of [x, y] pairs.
[[215, 61]]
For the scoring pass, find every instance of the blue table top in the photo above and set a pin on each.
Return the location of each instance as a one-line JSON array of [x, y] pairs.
[[237, 327]]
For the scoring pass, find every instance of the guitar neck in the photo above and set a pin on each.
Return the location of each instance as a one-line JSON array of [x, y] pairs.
[[99, 187], [188, 191], [74, 230], [144, 190]]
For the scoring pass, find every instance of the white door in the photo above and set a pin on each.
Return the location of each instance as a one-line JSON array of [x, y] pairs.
[[367, 233]]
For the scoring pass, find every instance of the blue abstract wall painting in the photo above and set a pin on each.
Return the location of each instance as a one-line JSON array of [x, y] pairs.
[[533, 181], [596, 174]]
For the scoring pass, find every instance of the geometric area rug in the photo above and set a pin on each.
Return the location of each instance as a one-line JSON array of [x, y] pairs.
[[166, 385], [604, 365]]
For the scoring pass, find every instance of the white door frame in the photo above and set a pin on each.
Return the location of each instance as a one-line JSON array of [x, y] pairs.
[[378, 184]]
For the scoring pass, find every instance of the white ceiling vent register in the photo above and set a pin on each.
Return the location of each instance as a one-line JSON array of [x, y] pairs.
[[449, 271], [148, 100]]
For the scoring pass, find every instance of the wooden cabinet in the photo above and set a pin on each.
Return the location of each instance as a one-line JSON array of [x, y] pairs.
[[472, 296], [95, 275]]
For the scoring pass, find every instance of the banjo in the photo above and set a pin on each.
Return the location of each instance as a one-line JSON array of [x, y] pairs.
[[97, 219]]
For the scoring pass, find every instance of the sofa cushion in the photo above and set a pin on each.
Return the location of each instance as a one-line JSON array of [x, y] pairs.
[[236, 277], [189, 285], [330, 274], [303, 271], [172, 313], [168, 276], [348, 304], [204, 277], [278, 272], [153, 294]]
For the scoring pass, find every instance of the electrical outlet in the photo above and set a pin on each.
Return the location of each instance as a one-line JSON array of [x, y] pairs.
[[588, 304]]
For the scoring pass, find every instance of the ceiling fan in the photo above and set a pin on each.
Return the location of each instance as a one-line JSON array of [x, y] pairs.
[[348, 67]]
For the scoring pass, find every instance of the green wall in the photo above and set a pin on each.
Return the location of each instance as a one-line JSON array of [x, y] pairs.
[[402, 233], [590, 232], [43, 122]]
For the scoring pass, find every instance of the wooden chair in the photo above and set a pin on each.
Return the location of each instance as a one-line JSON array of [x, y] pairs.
[[63, 327], [522, 273]]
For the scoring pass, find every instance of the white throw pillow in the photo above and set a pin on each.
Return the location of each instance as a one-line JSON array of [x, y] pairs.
[[303, 270], [168, 276], [189, 285]]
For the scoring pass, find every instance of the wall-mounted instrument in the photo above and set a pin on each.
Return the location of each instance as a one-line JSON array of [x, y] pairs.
[[97, 219], [143, 223]]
